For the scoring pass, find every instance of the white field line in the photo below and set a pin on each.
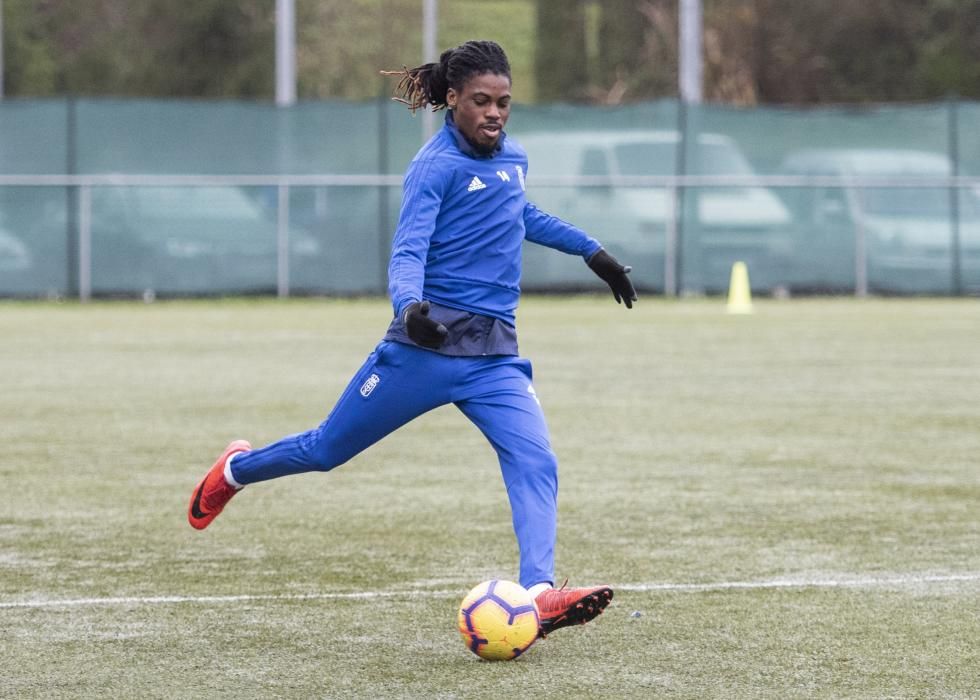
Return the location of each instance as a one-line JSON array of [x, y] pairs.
[[892, 581], [856, 582]]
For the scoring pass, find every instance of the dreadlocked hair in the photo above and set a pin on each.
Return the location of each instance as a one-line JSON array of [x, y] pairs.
[[429, 83]]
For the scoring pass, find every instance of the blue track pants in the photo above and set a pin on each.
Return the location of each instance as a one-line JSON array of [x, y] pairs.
[[399, 382]]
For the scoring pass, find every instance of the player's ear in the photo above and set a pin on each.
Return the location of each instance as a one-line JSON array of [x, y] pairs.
[[452, 97]]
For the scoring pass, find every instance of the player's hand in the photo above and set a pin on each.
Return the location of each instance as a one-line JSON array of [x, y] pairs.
[[422, 329], [615, 275]]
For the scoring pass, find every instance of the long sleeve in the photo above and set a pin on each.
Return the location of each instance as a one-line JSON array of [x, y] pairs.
[[421, 201], [548, 230]]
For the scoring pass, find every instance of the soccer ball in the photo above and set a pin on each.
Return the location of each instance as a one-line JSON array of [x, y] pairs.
[[498, 620]]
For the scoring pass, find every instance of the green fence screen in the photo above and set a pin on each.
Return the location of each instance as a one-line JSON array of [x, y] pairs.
[[128, 197]]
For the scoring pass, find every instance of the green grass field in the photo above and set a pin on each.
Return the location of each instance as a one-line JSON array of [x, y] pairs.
[[790, 501]]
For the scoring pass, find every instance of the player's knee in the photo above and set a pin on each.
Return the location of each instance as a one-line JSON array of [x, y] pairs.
[[323, 453], [541, 464], [549, 461]]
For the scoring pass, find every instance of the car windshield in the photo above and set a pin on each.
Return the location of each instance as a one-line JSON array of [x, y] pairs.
[[720, 159], [645, 158], [932, 203]]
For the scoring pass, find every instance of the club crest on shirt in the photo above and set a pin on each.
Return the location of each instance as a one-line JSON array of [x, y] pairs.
[[520, 177], [368, 386]]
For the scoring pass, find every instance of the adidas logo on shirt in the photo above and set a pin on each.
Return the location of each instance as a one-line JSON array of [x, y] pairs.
[[476, 184]]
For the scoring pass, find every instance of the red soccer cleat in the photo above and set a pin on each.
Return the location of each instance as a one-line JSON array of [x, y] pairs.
[[561, 607], [213, 493]]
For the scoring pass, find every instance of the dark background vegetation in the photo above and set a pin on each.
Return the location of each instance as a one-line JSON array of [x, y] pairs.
[[588, 51]]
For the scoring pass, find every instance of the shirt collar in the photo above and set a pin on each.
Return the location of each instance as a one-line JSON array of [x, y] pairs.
[[464, 145]]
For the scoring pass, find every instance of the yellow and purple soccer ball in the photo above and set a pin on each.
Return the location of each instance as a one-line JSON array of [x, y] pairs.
[[498, 620]]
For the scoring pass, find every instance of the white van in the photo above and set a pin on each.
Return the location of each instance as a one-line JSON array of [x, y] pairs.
[[907, 231], [720, 224]]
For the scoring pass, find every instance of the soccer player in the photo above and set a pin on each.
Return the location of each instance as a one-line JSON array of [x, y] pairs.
[[454, 279]]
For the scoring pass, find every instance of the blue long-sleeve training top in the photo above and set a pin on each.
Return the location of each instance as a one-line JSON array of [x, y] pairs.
[[463, 219]]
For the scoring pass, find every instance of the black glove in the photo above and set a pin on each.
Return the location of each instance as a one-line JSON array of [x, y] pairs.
[[615, 275], [422, 329]]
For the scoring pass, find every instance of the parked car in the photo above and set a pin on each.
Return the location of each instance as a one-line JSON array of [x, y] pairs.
[[719, 225], [14, 255], [32, 242], [907, 231], [184, 240], [16, 261]]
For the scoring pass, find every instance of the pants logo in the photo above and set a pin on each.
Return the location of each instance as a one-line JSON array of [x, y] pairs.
[[368, 386], [533, 393]]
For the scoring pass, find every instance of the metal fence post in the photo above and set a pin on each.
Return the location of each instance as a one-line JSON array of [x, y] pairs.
[[282, 241], [71, 196], [860, 252], [680, 170], [954, 196], [384, 234], [84, 243], [285, 52], [670, 243], [430, 54], [1, 49]]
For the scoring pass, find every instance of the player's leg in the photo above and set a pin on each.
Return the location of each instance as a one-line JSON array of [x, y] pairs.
[[499, 398], [396, 384]]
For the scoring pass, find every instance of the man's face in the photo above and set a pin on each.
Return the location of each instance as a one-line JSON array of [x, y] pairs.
[[481, 109]]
